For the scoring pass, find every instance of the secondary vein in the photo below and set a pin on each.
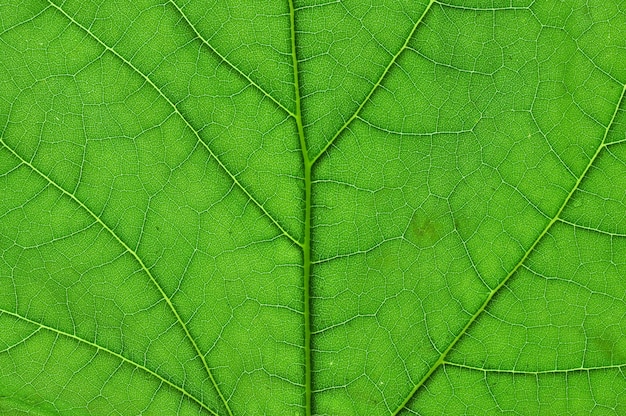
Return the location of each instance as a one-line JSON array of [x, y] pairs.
[[138, 259], [176, 110], [225, 60], [111, 352], [520, 263], [376, 85]]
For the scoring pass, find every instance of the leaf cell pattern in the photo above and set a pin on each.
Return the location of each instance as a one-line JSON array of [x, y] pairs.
[[335, 207]]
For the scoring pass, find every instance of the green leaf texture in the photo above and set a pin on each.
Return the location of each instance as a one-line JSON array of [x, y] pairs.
[[312, 207]]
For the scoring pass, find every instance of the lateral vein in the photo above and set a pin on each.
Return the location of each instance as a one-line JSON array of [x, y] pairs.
[[520, 263], [188, 124]]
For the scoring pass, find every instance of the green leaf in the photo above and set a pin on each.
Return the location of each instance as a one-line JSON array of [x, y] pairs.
[[329, 207]]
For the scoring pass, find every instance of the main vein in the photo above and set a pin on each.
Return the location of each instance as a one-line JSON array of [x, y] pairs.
[[308, 163], [306, 246]]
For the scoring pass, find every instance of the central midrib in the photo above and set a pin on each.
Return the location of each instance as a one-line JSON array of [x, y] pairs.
[[308, 162], [306, 244]]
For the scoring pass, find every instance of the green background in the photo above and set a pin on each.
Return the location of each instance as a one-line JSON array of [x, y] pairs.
[[312, 207]]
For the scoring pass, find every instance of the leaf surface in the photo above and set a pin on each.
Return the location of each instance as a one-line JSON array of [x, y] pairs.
[[312, 207]]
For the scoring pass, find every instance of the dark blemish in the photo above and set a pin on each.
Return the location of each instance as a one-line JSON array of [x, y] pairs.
[[425, 230], [608, 347]]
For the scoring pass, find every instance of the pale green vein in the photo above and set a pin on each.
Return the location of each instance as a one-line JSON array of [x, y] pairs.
[[361, 252], [136, 257], [378, 83], [187, 123], [485, 9], [520, 263], [616, 142], [595, 230], [450, 66], [306, 247], [226, 61], [534, 373], [15, 26], [108, 351], [20, 342], [414, 134]]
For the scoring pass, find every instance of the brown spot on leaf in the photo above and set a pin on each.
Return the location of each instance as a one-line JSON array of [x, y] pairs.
[[425, 230]]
